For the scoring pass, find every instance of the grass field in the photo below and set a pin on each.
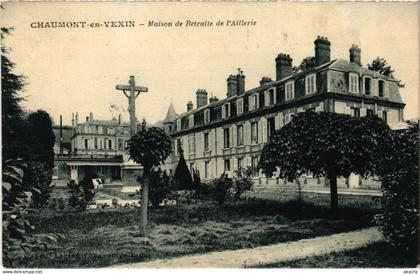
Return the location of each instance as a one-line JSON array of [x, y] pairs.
[[98, 238], [378, 255]]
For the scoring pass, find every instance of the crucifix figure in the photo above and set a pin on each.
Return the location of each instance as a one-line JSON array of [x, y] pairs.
[[134, 92]]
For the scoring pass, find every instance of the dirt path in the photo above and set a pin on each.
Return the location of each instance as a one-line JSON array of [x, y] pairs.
[[269, 254]]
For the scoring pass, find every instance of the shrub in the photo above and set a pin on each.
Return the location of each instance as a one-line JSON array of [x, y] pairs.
[[81, 194], [400, 216], [221, 189], [242, 183], [17, 231], [37, 178], [161, 186]]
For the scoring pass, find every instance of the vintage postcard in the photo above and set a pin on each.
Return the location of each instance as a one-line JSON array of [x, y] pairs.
[[209, 135]]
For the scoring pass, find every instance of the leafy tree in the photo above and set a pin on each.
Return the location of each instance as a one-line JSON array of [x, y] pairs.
[[149, 147], [399, 218], [242, 182], [182, 175], [13, 130], [37, 179], [306, 64], [42, 138], [380, 65], [326, 144]]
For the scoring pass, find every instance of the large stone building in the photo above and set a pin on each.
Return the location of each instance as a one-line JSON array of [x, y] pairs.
[[98, 147], [220, 136]]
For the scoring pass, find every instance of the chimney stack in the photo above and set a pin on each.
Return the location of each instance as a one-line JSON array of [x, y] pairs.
[[119, 119], [322, 50], [265, 80], [77, 119], [91, 116], [241, 82], [72, 120], [232, 86], [355, 55], [189, 106], [283, 66], [201, 98], [213, 99]]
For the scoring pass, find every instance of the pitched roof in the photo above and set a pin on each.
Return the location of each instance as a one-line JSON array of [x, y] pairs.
[[171, 114]]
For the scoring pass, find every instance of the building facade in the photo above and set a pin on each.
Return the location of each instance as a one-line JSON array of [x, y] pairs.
[[221, 136], [98, 147]]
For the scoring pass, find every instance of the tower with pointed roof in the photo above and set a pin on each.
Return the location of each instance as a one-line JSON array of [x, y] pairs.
[[169, 122]]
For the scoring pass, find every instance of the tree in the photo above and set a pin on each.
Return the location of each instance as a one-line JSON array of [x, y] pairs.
[[327, 144], [380, 65], [399, 218], [182, 175], [306, 64], [161, 186], [42, 138], [149, 147], [13, 132]]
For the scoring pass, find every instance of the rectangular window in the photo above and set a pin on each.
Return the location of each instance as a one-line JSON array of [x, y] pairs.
[[226, 111], [381, 87], [271, 94], [253, 102], [367, 85], [206, 141], [240, 163], [240, 106], [385, 116], [191, 121], [310, 84], [96, 143], [110, 144], [226, 138], [207, 116], [206, 170], [100, 130], [290, 90], [369, 113], [240, 135], [86, 143], [254, 165], [270, 127], [125, 144], [227, 165], [101, 144], [354, 83], [254, 133], [355, 112]]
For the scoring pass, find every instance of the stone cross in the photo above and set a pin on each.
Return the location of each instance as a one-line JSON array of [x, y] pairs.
[[134, 92]]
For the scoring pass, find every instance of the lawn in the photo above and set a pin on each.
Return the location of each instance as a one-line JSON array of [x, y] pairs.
[[98, 238], [378, 255]]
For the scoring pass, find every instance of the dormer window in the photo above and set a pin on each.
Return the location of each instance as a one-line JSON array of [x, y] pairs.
[[353, 83], [191, 121], [381, 88], [290, 90], [207, 116], [254, 102], [240, 106], [226, 110], [310, 84], [270, 97], [367, 85]]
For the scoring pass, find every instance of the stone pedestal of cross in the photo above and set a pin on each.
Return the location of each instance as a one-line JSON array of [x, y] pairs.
[[134, 92]]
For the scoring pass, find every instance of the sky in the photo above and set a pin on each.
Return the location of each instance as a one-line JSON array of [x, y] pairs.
[[72, 70]]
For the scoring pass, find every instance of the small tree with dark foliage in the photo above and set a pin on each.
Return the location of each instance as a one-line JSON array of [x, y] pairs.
[[161, 186], [326, 144], [182, 175], [150, 148]]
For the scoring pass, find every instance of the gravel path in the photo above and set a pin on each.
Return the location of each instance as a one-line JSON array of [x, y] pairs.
[[269, 254]]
